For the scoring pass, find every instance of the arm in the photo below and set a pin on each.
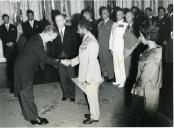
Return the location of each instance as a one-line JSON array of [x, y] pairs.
[[92, 60], [111, 39], [46, 59], [147, 73]]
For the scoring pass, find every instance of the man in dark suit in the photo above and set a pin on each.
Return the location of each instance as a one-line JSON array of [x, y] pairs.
[[65, 46], [8, 33], [162, 24], [31, 26], [24, 69]]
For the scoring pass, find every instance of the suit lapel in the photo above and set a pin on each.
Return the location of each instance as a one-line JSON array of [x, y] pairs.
[[5, 27], [29, 24]]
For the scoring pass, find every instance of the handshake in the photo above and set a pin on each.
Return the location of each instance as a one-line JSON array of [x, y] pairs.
[[65, 62]]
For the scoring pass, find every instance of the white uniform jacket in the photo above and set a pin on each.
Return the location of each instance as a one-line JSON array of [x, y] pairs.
[[89, 68], [116, 41]]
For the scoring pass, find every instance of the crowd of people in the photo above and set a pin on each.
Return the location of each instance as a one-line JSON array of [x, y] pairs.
[[125, 47]]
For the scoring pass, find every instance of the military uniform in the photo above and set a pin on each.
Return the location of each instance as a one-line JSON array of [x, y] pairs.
[[89, 71], [116, 45], [106, 59]]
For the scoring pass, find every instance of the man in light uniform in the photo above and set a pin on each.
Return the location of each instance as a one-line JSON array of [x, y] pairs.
[[116, 45]]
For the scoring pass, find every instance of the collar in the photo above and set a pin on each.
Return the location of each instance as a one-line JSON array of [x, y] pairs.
[[90, 20], [31, 21], [120, 21], [150, 17], [130, 24], [62, 29], [7, 24], [106, 20], [161, 17]]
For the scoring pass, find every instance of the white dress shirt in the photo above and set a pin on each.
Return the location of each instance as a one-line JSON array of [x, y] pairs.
[[7, 26], [31, 23]]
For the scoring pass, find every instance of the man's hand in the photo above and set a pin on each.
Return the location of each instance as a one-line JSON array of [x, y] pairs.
[[10, 44], [66, 62], [171, 34]]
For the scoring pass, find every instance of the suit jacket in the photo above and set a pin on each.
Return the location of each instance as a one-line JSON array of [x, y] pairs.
[[130, 41], [93, 29], [8, 36], [27, 62], [29, 31], [69, 45], [163, 30], [89, 68]]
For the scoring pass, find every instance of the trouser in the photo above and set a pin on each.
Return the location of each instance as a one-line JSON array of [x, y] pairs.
[[151, 100], [92, 96], [10, 64], [28, 106], [68, 87], [119, 68]]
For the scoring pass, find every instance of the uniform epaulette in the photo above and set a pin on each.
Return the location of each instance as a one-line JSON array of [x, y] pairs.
[[87, 39]]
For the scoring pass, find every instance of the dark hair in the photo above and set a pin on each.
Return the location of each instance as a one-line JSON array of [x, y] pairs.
[[125, 10], [120, 9], [145, 29], [5, 15], [86, 11], [148, 8], [50, 28], [85, 24], [101, 10], [53, 14], [159, 8], [60, 14], [29, 11]]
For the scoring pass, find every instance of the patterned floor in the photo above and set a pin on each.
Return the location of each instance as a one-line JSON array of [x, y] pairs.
[[48, 100]]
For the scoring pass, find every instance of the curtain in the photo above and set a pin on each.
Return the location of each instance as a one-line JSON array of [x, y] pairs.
[[70, 7], [76, 6], [97, 5]]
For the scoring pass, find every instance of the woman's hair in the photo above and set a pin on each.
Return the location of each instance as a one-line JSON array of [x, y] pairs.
[[145, 29], [84, 24]]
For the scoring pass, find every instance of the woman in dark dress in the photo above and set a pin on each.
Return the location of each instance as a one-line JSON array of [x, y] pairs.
[[149, 78]]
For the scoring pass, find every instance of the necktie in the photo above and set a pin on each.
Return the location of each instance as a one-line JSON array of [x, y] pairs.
[[61, 35], [102, 23]]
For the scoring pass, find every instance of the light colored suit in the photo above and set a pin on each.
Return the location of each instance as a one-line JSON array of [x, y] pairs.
[[89, 71], [116, 45]]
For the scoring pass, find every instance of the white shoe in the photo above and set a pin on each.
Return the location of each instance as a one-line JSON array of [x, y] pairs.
[[121, 86], [115, 84]]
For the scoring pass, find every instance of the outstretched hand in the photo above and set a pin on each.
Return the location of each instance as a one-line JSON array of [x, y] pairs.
[[66, 62]]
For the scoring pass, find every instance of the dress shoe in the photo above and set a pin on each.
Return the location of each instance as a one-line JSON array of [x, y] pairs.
[[72, 99], [87, 116], [64, 98], [39, 121], [89, 121], [121, 86], [115, 84]]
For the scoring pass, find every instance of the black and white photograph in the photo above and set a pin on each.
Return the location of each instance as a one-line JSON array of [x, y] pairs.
[[86, 63]]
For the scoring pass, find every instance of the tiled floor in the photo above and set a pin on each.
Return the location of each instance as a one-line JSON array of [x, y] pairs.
[[48, 100]]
